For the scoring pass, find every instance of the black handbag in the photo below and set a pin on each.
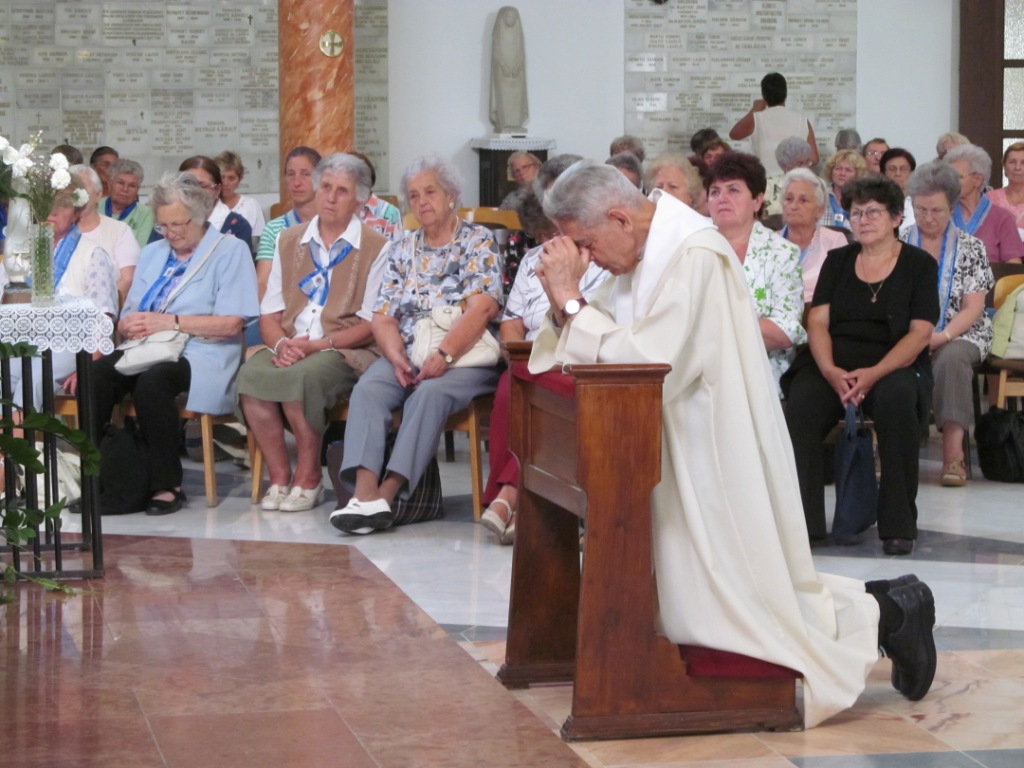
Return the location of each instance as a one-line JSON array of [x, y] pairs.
[[424, 503], [856, 484], [124, 471], [1000, 437]]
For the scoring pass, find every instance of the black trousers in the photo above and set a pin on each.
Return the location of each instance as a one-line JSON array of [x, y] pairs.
[[813, 409], [153, 395]]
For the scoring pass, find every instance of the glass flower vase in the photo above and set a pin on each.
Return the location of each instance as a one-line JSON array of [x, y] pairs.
[[41, 262]]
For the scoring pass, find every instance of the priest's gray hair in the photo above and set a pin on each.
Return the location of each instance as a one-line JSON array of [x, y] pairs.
[[447, 176], [90, 180], [803, 174], [936, 176], [129, 167], [183, 188], [355, 168], [977, 159], [587, 191]]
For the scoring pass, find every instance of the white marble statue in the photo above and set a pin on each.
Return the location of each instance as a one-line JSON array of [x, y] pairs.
[[509, 107]]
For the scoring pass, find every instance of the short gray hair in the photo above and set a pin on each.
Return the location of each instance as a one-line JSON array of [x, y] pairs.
[[627, 161], [129, 167], [936, 176], [957, 138], [90, 180], [805, 174], [675, 160], [519, 155], [792, 151], [977, 159], [182, 188], [587, 191], [627, 143], [355, 168], [447, 176], [848, 138], [550, 170]]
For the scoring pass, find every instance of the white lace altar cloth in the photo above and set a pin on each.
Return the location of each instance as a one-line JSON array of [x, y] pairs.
[[68, 324]]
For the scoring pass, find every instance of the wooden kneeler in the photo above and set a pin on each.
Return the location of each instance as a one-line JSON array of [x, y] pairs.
[[589, 445]]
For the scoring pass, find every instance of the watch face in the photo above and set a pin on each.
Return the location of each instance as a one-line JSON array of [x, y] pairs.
[[572, 307]]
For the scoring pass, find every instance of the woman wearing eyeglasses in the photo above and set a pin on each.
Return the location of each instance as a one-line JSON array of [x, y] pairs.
[[963, 335], [869, 327]]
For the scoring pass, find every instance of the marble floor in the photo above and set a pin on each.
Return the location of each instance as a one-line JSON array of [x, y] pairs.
[[256, 686]]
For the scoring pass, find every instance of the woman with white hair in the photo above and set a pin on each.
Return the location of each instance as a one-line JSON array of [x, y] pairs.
[[804, 198], [198, 281], [963, 335], [975, 214], [675, 174], [791, 153], [448, 262], [126, 177]]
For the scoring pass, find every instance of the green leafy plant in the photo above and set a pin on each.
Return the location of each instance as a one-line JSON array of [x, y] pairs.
[[18, 522]]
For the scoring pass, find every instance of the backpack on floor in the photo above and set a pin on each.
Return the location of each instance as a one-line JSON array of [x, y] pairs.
[[1000, 438], [124, 471]]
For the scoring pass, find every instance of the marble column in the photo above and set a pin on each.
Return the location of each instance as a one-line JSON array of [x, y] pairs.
[[316, 76]]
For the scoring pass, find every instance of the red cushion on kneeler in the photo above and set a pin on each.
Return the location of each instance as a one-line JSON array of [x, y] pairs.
[[556, 382], [707, 662]]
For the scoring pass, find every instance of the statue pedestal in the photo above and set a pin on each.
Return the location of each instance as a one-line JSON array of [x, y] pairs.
[[494, 152]]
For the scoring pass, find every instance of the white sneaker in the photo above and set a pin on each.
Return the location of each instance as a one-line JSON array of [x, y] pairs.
[[275, 495], [362, 517], [302, 499]]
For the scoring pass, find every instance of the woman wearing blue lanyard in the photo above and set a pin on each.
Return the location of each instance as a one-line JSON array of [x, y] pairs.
[[963, 334], [845, 165], [201, 282]]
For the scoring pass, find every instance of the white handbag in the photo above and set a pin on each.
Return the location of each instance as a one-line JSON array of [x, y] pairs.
[[431, 330]]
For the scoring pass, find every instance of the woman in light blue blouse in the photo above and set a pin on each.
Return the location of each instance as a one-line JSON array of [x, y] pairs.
[[196, 280], [447, 262]]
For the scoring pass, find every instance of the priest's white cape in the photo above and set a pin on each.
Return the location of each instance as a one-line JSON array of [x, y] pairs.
[[732, 562]]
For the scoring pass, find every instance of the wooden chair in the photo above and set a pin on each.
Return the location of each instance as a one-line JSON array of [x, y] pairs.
[[506, 219], [1009, 371], [67, 406], [474, 420], [279, 209], [409, 222]]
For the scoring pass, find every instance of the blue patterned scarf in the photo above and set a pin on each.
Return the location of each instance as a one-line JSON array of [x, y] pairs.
[[947, 265], [315, 284], [62, 253], [971, 226]]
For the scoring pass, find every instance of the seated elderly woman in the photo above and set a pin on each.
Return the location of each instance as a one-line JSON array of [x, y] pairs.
[[963, 334], [201, 282], [126, 177], [803, 202], [948, 141], [874, 311], [319, 299], [897, 164], [299, 165], [111, 235], [845, 165], [975, 214], [446, 263], [771, 264], [676, 175], [102, 160], [791, 153], [525, 310], [81, 267], [1011, 197], [222, 218]]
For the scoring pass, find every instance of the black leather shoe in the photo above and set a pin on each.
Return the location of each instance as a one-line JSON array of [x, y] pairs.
[[883, 586], [166, 506], [912, 646], [898, 546]]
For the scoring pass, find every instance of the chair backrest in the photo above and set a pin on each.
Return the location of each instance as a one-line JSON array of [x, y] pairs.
[[393, 199], [409, 221], [999, 271], [507, 219], [1004, 287], [279, 209]]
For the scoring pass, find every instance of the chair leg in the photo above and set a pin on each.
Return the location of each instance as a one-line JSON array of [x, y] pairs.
[[256, 462], [475, 463], [449, 446], [1001, 389], [209, 459]]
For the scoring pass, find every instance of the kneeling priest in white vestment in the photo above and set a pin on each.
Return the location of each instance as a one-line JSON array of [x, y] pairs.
[[732, 560]]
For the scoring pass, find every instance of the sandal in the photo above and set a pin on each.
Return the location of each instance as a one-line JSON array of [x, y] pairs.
[[509, 536], [954, 474], [495, 521]]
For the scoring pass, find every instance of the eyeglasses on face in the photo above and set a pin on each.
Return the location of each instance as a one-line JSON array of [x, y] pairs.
[[868, 214], [165, 229]]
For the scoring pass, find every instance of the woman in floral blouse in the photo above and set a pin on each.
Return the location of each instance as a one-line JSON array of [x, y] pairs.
[[963, 335], [735, 185], [447, 262]]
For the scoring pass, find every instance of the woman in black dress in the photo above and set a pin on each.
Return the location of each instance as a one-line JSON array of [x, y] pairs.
[[873, 313]]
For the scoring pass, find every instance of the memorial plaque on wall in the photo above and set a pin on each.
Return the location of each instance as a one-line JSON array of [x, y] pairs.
[[693, 64], [160, 81]]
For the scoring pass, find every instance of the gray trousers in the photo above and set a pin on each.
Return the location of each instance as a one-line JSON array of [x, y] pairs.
[[951, 396], [425, 410]]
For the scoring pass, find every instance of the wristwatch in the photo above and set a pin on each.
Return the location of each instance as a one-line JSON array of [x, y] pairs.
[[448, 359], [177, 323], [572, 307]]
